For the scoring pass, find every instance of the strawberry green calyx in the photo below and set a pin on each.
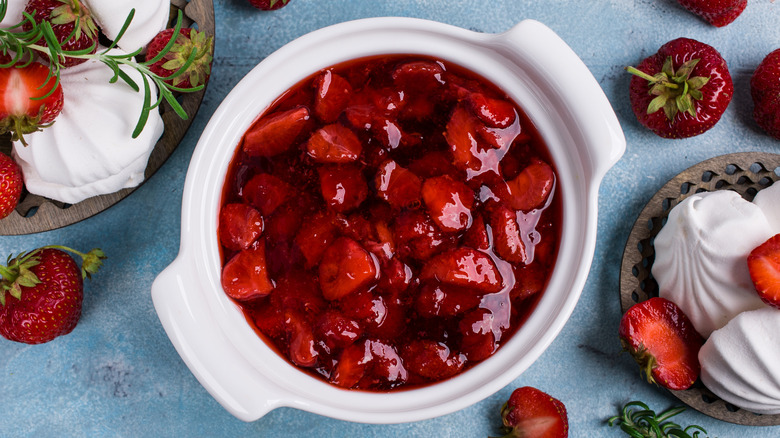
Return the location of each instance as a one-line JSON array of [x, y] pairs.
[[90, 262], [647, 362], [274, 2], [675, 91], [73, 11], [181, 52]]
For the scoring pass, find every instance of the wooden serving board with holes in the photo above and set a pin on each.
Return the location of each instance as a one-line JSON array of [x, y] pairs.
[[36, 214], [746, 173]]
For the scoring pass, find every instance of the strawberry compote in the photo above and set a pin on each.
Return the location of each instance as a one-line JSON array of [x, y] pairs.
[[389, 222]]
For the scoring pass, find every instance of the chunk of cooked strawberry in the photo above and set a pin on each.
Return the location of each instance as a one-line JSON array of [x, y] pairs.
[[764, 266], [464, 267], [266, 192], [417, 237], [466, 139], [343, 187], [418, 76], [396, 185], [270, 321], [334, 143], [245, 276], [239, 226], [663, 342], [352, 365], [345, 268], [317, 232], [331, 96], [532, 187], [336, 330], [435, 299], [507, 241], [495, 113], [530, 412], [478, 340], [476, 236], [432, 360], [529, 280], [434, 163], [395, 276], [386, 368], [301, 340], [284, 223], [276, 133], [449, 202]]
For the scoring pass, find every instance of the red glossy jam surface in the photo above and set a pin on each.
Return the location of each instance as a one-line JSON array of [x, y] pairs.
[[389, 222]]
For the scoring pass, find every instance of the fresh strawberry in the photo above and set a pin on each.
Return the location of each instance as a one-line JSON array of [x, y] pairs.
[[269, 5], [464, 267], [45, 290], [507, 241], [189, 43], [530, 412], [717, 12], [764, 266], [345, 268], [449, 202], [682, 90], [239, 226], [276, 133], [765, 90], [663, 341], [266, 192], [29, 99], [396, 185], [245, 276], [495, 113], [11, 185], [72, 23], [432, 360], [334, 143], [331, 96], [343, 187]]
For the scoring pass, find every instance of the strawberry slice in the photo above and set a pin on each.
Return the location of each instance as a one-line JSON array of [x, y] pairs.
[[276, 133], [266, 192], [239, 226], [495, 113], [449, 202], [334, 143], [464, 267], [663, 342], [532, 187], [507, 241], [432, 360], [331, 96], [530, 412], [345, 268], [245, 276], [343, 187], [764, 265], [396, 185]]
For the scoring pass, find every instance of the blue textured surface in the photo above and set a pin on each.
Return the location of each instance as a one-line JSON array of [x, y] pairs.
[[118, 375]]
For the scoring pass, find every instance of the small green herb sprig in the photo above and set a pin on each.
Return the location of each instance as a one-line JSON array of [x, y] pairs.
[[23, 46], [637, 420]]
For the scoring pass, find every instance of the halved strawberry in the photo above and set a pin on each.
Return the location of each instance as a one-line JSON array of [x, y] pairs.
[[334, 143], [30, 99], [266, 192], [432, 360], [245, 276], [530, 412], [764, 266], [345, 268], [532, 187], [239, 226], [343, 187], [464, 267], [663, 342], [449, 202], [507, 241], [396, 185], [435, 299], [495, 113], [276, 133], [331, 96]]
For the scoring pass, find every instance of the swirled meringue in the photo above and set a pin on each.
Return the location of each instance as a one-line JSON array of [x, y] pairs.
[[740, 362], [151, 17], [701, 257], [89, 150]]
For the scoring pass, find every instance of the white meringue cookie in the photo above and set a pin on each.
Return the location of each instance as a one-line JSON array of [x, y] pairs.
[[13, 14], [740, 362], [701, 257], [89, 150], [151, 17], [768, 200]]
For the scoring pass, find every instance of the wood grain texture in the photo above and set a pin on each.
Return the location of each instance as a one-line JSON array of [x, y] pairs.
[[745, 173], [36, 214]]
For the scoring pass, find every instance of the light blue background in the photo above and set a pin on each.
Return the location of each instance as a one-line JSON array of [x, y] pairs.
[[118, 375]]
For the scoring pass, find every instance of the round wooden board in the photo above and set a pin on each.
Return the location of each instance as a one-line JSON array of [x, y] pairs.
[[746, 173], [36, 214]]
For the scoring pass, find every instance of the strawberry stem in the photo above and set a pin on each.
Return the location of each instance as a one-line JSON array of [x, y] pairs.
[[90, 262], [674, 91]]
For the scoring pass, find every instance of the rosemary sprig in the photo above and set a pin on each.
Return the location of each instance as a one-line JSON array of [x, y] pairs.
[[637, 420], [23, 46]]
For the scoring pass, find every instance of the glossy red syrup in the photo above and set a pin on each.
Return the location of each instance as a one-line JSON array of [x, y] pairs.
[[389, 222]]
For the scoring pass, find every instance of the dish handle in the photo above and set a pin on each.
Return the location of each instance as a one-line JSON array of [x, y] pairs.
[[210, 356], [578, 96]]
